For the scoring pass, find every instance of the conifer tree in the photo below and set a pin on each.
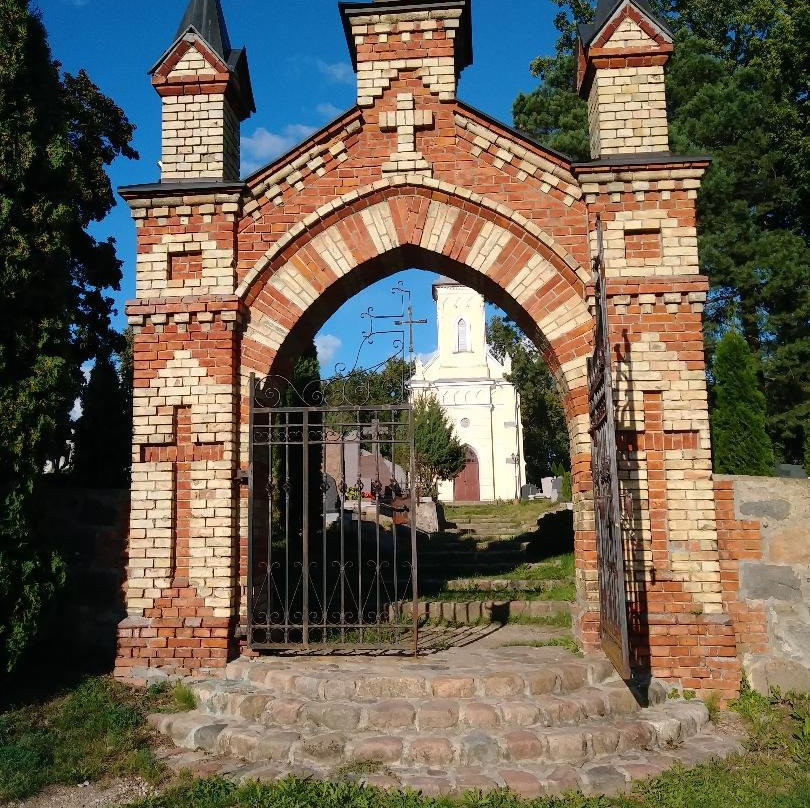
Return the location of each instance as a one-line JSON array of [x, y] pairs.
[[741, 445], [439, 453], [103, 434], [58, 134]]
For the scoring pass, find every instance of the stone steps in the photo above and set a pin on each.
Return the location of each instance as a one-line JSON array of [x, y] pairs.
[[501, 585], [610, 774], [475, 612], [472, 745], [453, 555], [533, 719]]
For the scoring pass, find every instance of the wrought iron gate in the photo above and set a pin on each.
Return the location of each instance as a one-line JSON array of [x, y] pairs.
[[332, 553], [605, 472]]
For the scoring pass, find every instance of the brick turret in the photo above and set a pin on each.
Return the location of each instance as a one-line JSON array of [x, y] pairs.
[[622, 55], [206, 91], [432, 38]]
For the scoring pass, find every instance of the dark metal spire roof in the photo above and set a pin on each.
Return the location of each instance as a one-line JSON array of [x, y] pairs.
[[605, 9], [207, 19]]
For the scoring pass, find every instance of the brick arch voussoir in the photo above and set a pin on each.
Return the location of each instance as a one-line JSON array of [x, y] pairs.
[[407, 221]]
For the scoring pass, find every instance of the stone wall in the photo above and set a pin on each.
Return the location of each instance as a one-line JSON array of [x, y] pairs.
[[765, 556]]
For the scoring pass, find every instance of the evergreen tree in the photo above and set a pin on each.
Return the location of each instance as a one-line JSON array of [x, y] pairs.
[[57, 135], [737, 89], [807, 450], [741, 445], [102, 452], [439, 453], [546, 446]]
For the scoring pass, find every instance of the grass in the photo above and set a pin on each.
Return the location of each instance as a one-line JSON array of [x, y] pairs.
[[95, 731], [773, 773], [556, 568], [558, 620], [509, 511]]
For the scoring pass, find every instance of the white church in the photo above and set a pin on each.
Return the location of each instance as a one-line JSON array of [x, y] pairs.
[[483, 407]]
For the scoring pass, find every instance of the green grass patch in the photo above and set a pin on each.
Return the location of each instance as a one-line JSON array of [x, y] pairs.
[[508, 511], [95, 731], [558, 620], [556, 568]]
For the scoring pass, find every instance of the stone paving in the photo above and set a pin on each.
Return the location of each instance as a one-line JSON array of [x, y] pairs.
[[536, 720]]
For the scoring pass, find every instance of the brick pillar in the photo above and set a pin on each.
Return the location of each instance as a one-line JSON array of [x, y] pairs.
[[646, 199], [621, 74], [206, 93], [181, 596]]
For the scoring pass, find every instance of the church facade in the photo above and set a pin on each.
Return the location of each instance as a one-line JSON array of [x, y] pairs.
[[483, 407]]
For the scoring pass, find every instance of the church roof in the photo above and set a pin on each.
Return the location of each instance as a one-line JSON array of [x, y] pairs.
[[605, 9]]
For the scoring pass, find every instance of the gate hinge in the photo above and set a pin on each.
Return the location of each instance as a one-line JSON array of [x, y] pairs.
[[241, 477]]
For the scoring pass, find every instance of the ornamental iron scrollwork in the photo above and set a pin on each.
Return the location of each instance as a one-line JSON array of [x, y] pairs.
[[605, 474]]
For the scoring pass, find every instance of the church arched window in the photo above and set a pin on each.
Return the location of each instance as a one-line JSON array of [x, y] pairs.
[[462, 336]]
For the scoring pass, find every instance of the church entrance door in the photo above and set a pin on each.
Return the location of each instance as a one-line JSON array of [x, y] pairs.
[[467, 486]]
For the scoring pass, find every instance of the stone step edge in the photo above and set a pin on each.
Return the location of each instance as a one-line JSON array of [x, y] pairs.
[[572, 744], [610, 775], [597, 670], [501, 584], [584, 704], [474, 612]]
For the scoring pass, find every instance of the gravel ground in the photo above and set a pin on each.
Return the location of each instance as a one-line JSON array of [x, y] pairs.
[[96, 795]]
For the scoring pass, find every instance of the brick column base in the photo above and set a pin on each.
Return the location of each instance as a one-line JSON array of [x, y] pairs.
[[176, 645], [697, 652]]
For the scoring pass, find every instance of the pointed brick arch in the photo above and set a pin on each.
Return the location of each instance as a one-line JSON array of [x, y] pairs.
[[396, 224]]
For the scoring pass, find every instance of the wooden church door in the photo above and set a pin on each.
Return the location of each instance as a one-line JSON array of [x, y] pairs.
[[467, 487]]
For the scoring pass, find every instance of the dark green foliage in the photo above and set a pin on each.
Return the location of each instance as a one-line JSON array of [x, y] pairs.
[[57, 135], [567, 490], [807, 450], [737, 90], [439, 453], [546, 445], [103, 433], [741, 445]]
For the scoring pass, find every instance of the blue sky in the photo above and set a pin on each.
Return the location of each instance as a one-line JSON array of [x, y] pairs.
[[302, 78]]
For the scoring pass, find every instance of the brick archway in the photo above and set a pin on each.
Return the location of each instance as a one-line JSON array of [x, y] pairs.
[[377, 231], [233, 272]]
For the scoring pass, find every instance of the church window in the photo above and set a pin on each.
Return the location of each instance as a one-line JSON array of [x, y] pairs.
[[462, 337]]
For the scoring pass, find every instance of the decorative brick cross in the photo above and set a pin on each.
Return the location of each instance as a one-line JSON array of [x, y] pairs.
[[181, 454], [405, 122], [655, 442]]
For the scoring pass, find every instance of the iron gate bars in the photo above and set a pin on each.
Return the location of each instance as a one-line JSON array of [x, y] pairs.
[[605, 473], [332, 535], [330, 559]]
